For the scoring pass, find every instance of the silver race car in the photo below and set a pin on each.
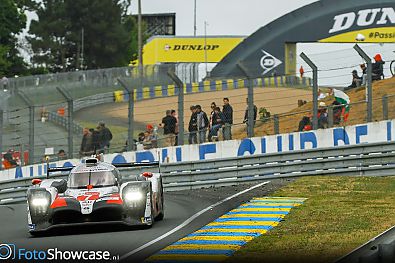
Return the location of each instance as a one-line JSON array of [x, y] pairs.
[[96, 192]]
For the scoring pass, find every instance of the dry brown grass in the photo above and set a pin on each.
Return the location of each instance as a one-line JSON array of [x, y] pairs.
[[357, 112], [276, 100]]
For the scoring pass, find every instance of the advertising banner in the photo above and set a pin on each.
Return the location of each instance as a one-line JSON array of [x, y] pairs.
[[350, 135], [188, 49]]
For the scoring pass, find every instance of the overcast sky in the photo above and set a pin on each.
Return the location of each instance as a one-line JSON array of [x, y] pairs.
[[225, 17], [244, 17]]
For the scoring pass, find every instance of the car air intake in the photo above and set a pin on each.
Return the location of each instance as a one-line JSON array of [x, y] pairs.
[[91, 161]]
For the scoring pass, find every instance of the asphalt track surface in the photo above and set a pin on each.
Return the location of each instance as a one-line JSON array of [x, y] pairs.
[[121, 241]]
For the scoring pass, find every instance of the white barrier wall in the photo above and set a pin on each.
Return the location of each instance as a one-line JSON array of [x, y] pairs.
[[365, 133]]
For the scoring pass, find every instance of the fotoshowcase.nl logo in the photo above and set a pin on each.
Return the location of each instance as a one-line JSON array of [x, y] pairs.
[[11, 252]]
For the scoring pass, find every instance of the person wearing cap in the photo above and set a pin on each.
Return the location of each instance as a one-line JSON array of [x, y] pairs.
[[378, 68], [356, 80], [153, 136], [322, 116]]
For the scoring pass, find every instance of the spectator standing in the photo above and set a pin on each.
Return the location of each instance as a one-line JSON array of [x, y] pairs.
[[86, 148], [227, 111], [322, 116], [193, 126], [216, 123], [202, 123], [378, 68], [168, 124], [174, 114], [95, 139], [301, 72], [212, 106], [246, 114], [105, 136]]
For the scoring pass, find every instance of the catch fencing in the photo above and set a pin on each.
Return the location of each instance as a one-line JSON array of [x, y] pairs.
[[40, 109], [376, 159], [50, 111]]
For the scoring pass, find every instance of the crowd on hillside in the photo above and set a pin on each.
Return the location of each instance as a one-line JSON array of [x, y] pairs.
[[340, 106], [377, 73], [202, 127], [211, 126]]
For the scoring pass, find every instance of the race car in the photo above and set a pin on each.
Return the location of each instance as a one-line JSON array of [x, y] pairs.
[[96, 192]]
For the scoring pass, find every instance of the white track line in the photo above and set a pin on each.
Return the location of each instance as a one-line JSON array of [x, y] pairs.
[[188, 221]]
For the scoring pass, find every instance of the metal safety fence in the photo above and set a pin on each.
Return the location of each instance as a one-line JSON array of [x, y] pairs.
[[39, 110], [376, 159]]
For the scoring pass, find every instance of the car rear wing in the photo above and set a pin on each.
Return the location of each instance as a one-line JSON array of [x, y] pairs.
[[135, 167], [132, 169], [141, 164]]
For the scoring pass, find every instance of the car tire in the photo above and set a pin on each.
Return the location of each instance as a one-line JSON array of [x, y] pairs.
[[37, 234], [161, 215], [152, 211]]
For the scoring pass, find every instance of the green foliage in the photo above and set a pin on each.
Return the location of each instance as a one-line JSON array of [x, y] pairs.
[[12, 22], [4, 63], [107, 34]]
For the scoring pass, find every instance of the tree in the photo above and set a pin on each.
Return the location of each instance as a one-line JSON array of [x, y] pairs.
[[12, 22], [57, 41], [48, 40]]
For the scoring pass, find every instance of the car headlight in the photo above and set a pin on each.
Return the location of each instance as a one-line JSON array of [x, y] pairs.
[[132, 196], [40, 202]]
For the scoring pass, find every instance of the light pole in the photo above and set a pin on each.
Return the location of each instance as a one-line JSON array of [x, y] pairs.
[[82, 49], [194, 19], [205, 45], [140, 42]]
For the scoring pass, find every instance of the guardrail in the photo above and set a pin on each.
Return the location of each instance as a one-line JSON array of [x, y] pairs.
[[380, 249], [93, 100], [80, 104], [376, 159], [63, 121]]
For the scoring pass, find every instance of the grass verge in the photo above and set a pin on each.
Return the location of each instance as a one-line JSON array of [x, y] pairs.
[[341, 213]]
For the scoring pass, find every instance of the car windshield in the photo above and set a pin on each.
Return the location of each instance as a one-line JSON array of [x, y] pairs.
[[97, 179]]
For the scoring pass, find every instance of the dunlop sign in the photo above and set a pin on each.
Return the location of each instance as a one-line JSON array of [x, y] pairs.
[[188, 49], [366, 25], [329, 21], [194, 47]]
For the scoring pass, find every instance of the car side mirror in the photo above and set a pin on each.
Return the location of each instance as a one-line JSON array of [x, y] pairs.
[[36, 181], [61, 186], [147, 174]]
